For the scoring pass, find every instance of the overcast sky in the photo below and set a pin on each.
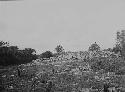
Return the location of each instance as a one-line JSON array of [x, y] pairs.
[[75, 24]]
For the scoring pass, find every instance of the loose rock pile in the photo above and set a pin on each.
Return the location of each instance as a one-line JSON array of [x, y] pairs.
[[69, 72]]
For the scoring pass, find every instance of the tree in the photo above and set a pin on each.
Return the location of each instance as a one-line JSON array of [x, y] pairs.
[[30, 50], [120, 43], [117, 49], [11, 55], [46, 54], [28, 54], [59, 49], [94, 47]]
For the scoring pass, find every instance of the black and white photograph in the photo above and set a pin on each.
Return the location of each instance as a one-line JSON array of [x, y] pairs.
[[62, 45]]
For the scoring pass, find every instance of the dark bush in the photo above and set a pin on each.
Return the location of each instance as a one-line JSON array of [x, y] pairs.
[[46, 54], [11, 55]]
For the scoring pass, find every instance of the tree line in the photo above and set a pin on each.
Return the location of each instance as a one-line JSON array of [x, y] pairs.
[[12, 55]]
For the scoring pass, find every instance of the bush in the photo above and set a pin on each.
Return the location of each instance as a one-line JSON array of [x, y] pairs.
[[11, 55], [46, 54]]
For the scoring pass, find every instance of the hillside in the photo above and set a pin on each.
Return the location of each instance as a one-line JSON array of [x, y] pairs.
[[69, 72]]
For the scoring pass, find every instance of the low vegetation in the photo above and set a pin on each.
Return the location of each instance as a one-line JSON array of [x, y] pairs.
[[94, 70]]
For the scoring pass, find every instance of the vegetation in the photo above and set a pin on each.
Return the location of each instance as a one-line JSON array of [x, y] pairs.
[[12, 55], [46, 54], [97, 71], [59, 49], [94, 47]]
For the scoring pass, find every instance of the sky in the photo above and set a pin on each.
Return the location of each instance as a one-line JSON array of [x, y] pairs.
[[74, 24]]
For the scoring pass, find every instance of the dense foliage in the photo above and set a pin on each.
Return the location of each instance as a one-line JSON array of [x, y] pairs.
[[46, 54], [59, 49], [12, 55], [94, 47], [120, 43]]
